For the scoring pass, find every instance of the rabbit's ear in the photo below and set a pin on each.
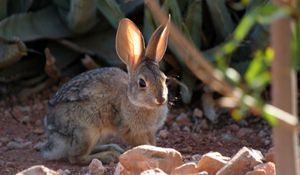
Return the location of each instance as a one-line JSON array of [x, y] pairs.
[[158, 42], [130, 44]]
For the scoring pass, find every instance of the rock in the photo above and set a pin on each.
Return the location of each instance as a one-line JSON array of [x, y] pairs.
[[144, 157], [203, 124], [96, 167], [269, 167], [163, 133], [256, 172], [4, 140], [64, 172], [212, 162], [233, 127], [186, 129], [25, 119], [197, 113], [38, 131], [175, 127], [183, 119], [196, 157], [269, 156], [263, 169], [120, 170], [244, 132], [155, 171], [242, 162], [187, 168], [17, 145], [38, 170], [228, 137], [209, 107]]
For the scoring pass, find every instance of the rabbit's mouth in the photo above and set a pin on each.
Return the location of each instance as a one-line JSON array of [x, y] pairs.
[[150, 104]]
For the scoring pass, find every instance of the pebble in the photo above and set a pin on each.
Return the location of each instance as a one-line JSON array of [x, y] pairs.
[[25, 119], [96, 167], [38, 131], [17, 145], [262, 133], [183, 119], [196, 157], [175, 127], [4, 140], [233, 127], [186, 129], [64, 172], [197, 113], [23, 108], [228, 137], [163, 133], [203, 124], [244, 132]]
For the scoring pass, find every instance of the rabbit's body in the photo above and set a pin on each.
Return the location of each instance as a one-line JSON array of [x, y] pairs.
[[105, 102]]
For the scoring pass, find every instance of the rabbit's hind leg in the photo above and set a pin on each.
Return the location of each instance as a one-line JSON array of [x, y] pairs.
[[107, 147], [81, 145], [106, 152], [106, 156]]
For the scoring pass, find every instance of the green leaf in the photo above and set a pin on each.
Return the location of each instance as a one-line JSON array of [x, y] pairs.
[[64, 56], [3, 9], [257, 75], [149, 24], [11, 52], [193, 22], [222, 21], [18, 6], [244, 27], [175, 12], [296, 45], [102, 44], [82, 16], [111, 10], [45, 23]]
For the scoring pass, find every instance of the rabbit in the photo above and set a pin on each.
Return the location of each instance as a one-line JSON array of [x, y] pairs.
[[107, 102]]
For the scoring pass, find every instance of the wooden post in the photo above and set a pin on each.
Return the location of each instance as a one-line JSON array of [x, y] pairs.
[[284, 95]]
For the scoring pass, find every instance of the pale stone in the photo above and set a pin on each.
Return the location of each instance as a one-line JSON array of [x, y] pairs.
[[212, 162], [155, 171], [242, 162], [96, 167], [144, 157], [187, 168], [38, 170]]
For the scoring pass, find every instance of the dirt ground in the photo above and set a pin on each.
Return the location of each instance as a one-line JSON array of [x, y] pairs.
[[21, 129]]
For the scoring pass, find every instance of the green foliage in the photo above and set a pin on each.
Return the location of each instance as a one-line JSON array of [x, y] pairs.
[[68, 28], [111, 10], [258, 75], [296, 43]]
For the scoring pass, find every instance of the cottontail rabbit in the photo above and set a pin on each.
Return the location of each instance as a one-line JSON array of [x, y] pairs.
[[107, 101]]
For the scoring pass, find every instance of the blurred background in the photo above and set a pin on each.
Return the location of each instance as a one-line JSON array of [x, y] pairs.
[[44, 42]]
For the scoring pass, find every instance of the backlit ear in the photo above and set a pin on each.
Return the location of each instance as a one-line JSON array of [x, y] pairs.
[[130, 44], [158, 43]]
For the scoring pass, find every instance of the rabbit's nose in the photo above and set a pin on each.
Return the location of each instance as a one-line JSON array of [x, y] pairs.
[[160, 100]]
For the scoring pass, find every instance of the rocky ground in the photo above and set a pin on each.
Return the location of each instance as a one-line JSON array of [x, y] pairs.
[[186, 130]]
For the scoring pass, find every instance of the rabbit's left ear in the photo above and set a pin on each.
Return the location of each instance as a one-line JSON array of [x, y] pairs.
[[158, 43]]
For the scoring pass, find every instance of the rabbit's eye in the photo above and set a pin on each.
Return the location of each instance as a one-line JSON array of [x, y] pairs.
[[142, 83]]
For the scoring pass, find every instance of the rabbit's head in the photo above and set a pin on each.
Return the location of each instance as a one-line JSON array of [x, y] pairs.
[[147, 84]]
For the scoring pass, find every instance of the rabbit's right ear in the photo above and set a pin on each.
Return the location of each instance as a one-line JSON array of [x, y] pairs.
[[130, 44]]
